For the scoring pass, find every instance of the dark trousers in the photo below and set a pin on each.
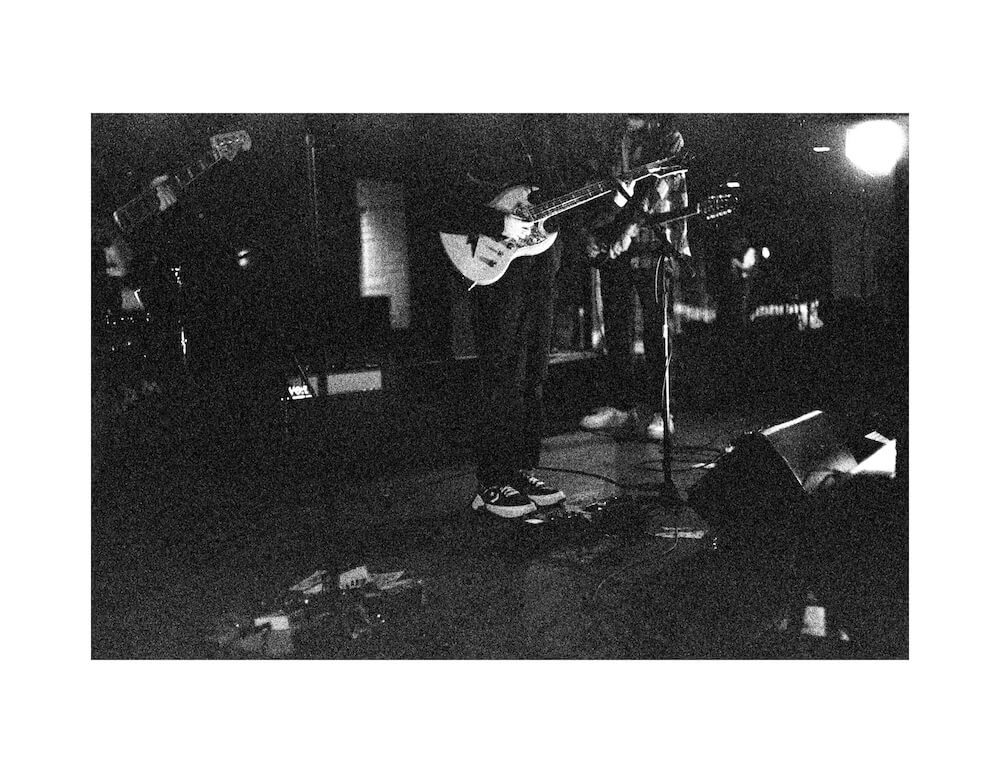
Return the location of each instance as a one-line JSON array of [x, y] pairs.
[[632, 382], [512, 321]]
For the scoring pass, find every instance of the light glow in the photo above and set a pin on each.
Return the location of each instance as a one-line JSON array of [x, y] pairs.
[[792, 423], [822, 149], [732, 184], [875, 146]]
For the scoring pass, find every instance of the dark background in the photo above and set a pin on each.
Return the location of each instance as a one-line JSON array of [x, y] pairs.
[[822, 221], [835, 235]]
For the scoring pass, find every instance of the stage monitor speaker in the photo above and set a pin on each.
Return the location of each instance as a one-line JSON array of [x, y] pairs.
[[755, 495]]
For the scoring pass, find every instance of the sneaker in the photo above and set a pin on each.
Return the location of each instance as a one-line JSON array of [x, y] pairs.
[[605, 418], [538, 491], [505, 501], [655, 429]]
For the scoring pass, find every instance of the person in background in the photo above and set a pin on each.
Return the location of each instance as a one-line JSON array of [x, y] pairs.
[[128, 289], [628, 249]]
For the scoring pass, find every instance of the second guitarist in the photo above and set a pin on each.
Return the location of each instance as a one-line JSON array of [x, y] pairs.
[[627, 251]]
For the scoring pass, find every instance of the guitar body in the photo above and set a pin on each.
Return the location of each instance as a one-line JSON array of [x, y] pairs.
[[483, 260]]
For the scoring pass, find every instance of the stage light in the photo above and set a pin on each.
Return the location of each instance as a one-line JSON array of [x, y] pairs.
[[732, 184], [765, 253], [822, 149], [875, 146]]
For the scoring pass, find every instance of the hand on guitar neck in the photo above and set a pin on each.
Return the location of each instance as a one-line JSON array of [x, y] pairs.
[[164, 192]]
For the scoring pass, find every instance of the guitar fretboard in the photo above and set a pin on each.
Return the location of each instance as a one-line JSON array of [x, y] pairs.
[[589, 192], [187, 175], [147, 203]]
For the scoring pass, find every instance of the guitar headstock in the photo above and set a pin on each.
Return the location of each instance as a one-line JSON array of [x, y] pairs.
[[228, 144], [718, 206]]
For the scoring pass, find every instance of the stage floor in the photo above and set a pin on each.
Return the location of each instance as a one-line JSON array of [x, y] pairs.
[[180, 541]]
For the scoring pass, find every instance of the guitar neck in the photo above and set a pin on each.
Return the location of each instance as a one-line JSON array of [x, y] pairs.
[[147, 204], [590, 192], [675, 215]]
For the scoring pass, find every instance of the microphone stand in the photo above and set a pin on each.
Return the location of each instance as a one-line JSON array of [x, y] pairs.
[[670, 495], [675, 509]]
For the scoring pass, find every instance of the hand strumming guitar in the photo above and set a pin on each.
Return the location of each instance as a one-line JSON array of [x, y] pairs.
[[516, 228]]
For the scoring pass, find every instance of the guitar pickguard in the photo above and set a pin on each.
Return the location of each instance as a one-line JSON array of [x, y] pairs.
[[537, 236], [494, 250]]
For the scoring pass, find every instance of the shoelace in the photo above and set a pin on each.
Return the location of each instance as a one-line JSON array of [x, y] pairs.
[[532, 480], [509, 491]]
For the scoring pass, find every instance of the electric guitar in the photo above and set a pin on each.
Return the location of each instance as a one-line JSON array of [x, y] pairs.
[[483, 259], [711, 208], [147, 203]]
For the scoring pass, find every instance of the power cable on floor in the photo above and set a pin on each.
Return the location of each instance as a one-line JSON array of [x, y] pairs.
[[638, 562], [586, 474]]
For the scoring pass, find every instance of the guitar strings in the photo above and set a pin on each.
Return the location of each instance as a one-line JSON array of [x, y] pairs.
[[580, 196]]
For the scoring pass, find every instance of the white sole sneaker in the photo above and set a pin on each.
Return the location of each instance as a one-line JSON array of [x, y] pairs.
[[547, 500], [655, 429], [519, 511], [605, 419]]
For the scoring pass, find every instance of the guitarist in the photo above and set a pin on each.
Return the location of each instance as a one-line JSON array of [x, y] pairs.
[[130, 296], [627, 251], [512, 318]]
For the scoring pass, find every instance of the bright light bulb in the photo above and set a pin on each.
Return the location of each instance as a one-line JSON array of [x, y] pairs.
[[875, 146]]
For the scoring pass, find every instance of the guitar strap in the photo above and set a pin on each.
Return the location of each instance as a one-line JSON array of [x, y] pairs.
[[631, 212], [624, 147]]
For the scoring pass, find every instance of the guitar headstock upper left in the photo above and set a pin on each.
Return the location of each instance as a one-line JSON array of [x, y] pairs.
[[228, 144]]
